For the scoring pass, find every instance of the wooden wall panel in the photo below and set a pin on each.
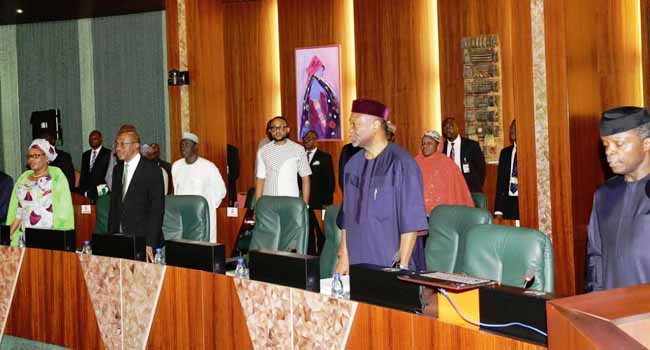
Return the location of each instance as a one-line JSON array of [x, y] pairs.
[[593, 64], [393, 63], [207, 89], [510, 20], [198, 310], [644, 6], [559, 148], [248, 41], [171, 23], [380, 328], [178, 321], [51, 303], [307, 24]]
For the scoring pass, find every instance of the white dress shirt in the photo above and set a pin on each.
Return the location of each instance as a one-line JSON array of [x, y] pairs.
[[456, 143], [132, 165]]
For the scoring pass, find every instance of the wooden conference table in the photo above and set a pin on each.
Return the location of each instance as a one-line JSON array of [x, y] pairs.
[[92, 302]]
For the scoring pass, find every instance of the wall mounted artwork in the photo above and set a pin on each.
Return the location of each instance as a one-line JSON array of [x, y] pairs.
[[483, 103], [318, 91]]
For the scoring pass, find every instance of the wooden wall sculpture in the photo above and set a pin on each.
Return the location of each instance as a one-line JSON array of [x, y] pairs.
[[482, 74]]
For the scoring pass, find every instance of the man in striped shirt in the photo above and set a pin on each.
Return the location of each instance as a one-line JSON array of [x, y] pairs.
[[278, 162]]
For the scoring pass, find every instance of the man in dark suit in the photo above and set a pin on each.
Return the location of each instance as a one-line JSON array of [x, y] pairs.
[[137, 200], [233, 174], [94, 163], [506, 201], [322, 173], [63, 159], [322, 189], [466, 154]]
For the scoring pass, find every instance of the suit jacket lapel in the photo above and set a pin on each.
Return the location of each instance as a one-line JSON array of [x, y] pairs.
[[314, 157], [134, 179]]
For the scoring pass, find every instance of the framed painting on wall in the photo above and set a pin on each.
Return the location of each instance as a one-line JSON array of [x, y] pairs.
[[318, 92]]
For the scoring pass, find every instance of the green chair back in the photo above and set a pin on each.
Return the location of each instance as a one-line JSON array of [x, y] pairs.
[[480, 201], [281, 223], [102, 207], [447, 227], [186, 217], [329, 256], [506, 254]]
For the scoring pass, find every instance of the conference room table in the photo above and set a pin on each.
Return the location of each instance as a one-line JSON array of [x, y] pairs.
[[93, 302]]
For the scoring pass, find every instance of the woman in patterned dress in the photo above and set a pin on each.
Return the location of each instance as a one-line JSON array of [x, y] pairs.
[[41, 196]]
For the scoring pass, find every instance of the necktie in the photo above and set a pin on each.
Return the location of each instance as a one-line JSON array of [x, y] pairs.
[[452, 154], [93, 157], [514, 181], [309, 155], [125, 175]]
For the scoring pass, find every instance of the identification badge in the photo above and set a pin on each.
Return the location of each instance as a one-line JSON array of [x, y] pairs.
[[466, 168], [232, 212]]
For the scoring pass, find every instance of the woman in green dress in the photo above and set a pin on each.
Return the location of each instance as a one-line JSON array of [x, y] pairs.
[[41, 196]]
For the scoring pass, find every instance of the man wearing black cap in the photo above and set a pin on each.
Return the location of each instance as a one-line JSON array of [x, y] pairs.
[[383, 205], [617, 250]]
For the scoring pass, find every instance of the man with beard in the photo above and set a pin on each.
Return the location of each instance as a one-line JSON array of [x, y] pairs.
[[383, 205], [278, 162], [198, 176], [617, 250]]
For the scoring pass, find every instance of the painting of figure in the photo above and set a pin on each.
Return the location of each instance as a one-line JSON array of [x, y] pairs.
[[318, 92]]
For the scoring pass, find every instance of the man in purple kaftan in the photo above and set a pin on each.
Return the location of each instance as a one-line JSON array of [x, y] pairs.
[[383, 205]]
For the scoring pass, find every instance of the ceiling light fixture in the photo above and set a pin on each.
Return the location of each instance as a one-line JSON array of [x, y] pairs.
[[19, 11]]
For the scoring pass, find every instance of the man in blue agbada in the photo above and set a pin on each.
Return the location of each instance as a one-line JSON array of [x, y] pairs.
[[383, 204], [619, 228]]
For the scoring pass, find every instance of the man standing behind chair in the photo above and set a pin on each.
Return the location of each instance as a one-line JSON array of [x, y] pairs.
[[137, 201], [198, 176], [506, 201], [278, 162], [617, 249], [466, 154], [94, 163], [153, 153], [322, 173], [383, 205]]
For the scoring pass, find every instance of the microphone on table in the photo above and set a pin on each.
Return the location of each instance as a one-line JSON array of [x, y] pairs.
[[529, 277]]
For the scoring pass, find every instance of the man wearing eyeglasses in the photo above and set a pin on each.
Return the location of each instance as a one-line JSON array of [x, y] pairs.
[[137, 201], [279, 161]]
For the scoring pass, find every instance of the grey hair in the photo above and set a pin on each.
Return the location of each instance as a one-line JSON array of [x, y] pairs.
[[644, 131]]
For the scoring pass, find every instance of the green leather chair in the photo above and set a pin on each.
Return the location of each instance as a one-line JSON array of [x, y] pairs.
[[447, 227], [480, 201], [102, 207], [329, 256], [186, 217], [506, 253], [281, 223]]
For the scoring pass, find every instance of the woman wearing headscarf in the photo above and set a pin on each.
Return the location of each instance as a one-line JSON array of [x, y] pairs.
[[442, 181], [41, 196]]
